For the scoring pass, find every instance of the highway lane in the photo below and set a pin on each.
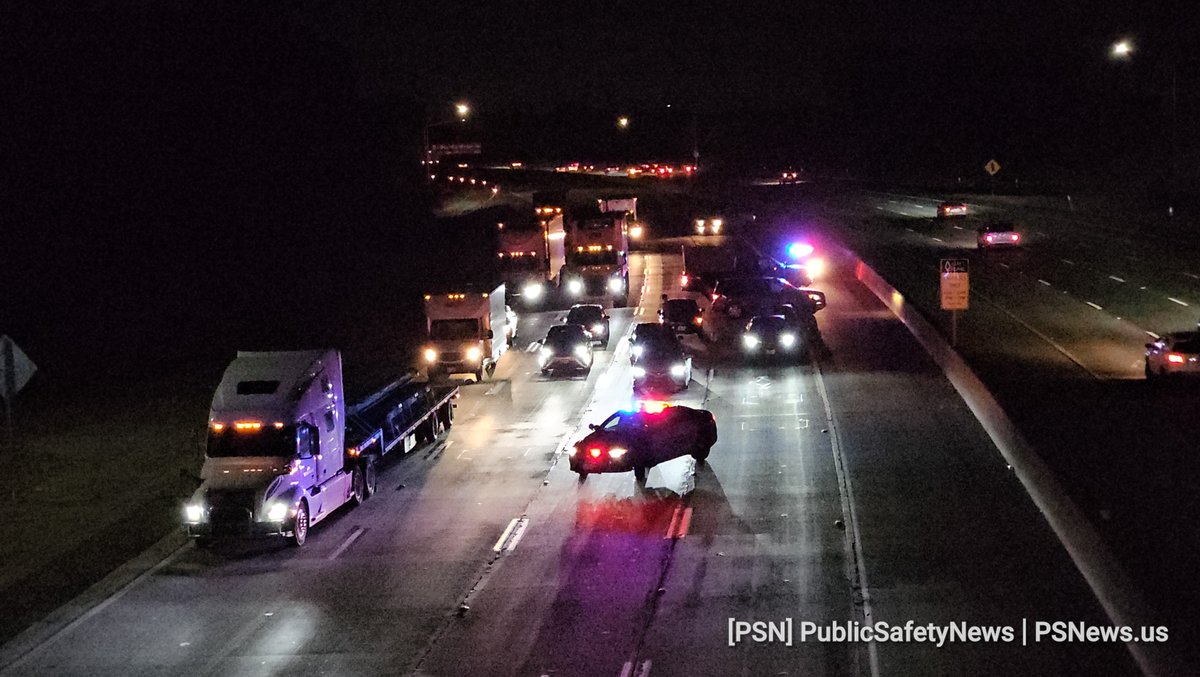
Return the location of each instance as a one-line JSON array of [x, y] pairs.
[[575, 587], [597, 586], [374, 583]]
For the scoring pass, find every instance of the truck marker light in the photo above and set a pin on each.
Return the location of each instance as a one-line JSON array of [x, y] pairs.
[[279, 425], [217, 426], [247, 426], [427, 297]]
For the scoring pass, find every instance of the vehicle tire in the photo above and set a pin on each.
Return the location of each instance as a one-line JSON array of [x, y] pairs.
[[479, 375], [639, 474], [1149, 371], [490, 369], [604, 345], [545, 372], [358, 487], [299, 526], [582, 476], [370, 479]]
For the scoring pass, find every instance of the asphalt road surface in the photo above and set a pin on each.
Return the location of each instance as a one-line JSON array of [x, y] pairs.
[[856, 489]]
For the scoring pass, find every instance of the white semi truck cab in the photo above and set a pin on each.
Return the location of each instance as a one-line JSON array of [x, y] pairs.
[[597, 259], [284, 450], [468, 331]]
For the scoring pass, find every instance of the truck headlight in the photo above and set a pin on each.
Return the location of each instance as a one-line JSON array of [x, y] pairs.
[[474, 354], [616, 284], [277, 512], [193, 512], [716, 225], [787, 340], [575, 287], [678, 370], [431, 355], [750, 341], [638, 372], [532, 292]]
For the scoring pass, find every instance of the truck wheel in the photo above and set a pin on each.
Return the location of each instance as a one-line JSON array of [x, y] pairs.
[[700, 454], [491, 369], [582, 476], [299, 526], [358, 487], [370, 479]]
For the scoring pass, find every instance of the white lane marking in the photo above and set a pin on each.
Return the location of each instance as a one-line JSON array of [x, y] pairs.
[[516, 535], [1043, 282], [1193, 276], [643, 669], [1004, 266], [358, 531], [1153, 335], [879, 207], [1114, 277], [1068, 262], [504, 536], [957, 227], [1093, 305], [1175, 300], [910, 229], [850, 512], [936, 239]]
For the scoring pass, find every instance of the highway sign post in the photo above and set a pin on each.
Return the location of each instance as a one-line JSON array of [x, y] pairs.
[[955, 291], [15, 371], [992, 167]]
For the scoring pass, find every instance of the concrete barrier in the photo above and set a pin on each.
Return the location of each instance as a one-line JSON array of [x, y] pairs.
[[1120, 598]]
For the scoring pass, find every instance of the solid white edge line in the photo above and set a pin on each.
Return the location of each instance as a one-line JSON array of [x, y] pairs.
[[522, 525], [1044, 282], [644, 670], [1175, 300], [849, 510], [1114, 277], [1153, 335], [1093, 305], [1121, 600], [504, 536], [358, 531]]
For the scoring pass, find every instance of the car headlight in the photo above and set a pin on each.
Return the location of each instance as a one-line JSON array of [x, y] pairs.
[[616, 284], [575, 287], [617, 452], [597, 329], [638, 372], [532, 292], [750, 341], [193, 512], [700, 224], [581, 350], [700, 228], [637, 350], [717, 223], [474, 354], [787, 340], [546, 353], [635, 232], [431, 355], [277, 512], [678, 370]]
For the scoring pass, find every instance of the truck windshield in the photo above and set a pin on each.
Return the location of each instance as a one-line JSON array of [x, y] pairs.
[[596, 258], [522, 263], [452, 330], [264, 442]]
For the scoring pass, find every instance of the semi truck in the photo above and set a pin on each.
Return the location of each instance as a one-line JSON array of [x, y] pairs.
[[285, 449], [531, 253], [468, 331], [597, 267]]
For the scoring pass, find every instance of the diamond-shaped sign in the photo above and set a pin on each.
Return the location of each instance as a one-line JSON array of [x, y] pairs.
[[14, 360], [992, 167]]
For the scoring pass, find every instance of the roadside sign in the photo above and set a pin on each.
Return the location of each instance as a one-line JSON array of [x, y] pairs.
[[992, 167], [956, 287], [15, 368]]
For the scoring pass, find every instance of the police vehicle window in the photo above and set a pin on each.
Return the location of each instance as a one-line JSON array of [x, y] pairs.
[[611, 423]]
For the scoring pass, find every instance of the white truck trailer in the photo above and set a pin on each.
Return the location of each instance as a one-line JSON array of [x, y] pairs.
[[468, 332]]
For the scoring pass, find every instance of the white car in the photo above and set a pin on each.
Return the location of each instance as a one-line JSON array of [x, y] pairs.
[[1173, 354]]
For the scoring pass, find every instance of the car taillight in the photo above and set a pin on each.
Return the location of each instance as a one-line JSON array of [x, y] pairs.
[[698, 319], [683, 280], [1175, 358], [990, 238], [1016, 236], [594, 452]]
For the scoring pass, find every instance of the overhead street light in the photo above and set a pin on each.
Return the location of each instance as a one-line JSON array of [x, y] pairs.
[[1121, 49], [623, 122], [463, 110]]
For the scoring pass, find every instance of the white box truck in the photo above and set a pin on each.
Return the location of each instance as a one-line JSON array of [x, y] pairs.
[[468, 332]]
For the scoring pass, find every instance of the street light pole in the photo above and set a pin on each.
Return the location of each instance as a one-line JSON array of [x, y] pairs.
[[462, 111]]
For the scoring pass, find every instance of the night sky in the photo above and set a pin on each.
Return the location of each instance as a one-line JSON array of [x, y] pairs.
[[175, 172]]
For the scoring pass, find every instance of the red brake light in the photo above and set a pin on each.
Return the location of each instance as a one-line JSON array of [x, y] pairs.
[[683, 280], [1016, 236], [1175, 358], [594, 452], [990, 238]]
